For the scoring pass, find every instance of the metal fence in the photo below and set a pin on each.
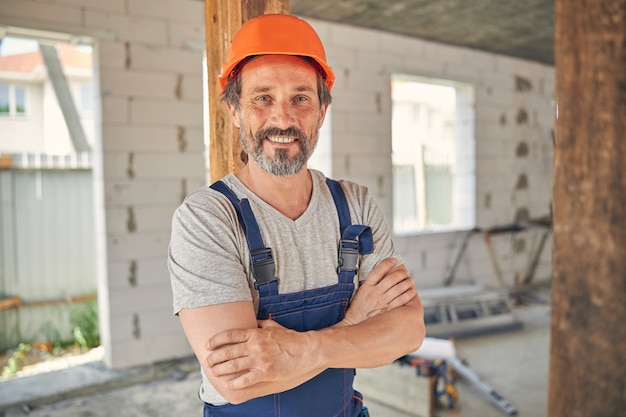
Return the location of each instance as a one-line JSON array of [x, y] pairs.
[[47, 246]]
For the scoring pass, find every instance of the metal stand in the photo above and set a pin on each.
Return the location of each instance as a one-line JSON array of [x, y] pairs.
[[487, 233]]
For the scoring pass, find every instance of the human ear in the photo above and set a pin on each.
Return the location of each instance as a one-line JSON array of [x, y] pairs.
[[323, 110], [234, 115]]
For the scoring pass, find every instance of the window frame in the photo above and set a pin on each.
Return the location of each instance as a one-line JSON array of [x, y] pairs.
[[12, 101]]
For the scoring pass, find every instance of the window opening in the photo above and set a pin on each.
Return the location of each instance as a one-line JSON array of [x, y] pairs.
[[433, 155], [46, 93], [47, 191]]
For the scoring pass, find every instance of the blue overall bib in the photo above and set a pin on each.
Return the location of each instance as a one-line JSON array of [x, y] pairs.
[[329, 394]]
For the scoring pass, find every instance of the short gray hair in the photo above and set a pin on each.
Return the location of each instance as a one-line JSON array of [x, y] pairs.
[[232, 92]]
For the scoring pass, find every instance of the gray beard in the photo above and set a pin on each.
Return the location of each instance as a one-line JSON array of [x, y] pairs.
[[280, 164]]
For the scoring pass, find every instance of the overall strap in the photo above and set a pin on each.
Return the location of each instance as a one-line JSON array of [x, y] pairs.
[[356, 239], [340, 202], [261, 258]]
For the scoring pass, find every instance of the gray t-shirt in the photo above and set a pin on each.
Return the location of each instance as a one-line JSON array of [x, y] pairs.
[[209, 260]]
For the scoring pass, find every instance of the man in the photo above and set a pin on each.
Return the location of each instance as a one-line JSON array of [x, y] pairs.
[[285, 282]]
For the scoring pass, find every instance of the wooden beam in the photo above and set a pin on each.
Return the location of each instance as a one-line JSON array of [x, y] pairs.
[[66, 300], [587, 375], [10, 302], [223, 20]]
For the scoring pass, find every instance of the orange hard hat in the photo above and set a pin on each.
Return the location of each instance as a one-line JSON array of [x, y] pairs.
[[276, 34]]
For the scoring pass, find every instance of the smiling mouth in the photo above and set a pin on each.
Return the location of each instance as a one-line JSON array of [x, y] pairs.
[[281, 139]]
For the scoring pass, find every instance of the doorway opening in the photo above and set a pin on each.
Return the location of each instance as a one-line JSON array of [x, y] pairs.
[[48, 265]]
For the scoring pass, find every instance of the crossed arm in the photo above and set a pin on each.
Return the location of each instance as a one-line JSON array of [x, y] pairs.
[[245, 358]]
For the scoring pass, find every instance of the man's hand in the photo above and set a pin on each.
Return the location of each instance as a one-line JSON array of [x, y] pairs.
[[386, 287], [241, 358]]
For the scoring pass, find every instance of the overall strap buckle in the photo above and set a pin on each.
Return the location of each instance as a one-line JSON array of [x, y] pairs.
[[348, 255], [263, 268]]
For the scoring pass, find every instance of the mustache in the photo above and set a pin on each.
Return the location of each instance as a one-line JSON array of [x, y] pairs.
[[291, 131]]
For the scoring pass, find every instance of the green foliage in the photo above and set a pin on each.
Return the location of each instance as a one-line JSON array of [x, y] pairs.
[[49, 331], [16, 360], [85, 335], [84, 321]]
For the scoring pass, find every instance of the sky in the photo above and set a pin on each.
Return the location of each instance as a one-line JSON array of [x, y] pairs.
[[12, 46]]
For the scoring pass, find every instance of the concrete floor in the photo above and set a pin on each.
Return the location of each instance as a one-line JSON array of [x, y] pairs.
[[515, 364]]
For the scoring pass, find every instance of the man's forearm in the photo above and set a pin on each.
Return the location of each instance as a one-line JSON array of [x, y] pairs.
[[242, 394], [371, 343], [245, 363], [374, 342]]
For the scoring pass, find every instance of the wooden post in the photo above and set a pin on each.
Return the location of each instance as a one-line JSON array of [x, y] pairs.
[[223, 19], [588, 330]]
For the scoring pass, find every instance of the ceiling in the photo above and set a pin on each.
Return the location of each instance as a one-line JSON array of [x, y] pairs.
[[519, 28]]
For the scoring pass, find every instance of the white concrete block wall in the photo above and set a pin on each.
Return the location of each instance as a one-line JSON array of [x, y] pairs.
[[148, 57], [149, 63], [157, 142], [364, 61]]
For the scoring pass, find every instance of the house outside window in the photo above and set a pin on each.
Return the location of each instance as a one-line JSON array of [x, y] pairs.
[[433, 155], [12, 100], [86, 98]]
